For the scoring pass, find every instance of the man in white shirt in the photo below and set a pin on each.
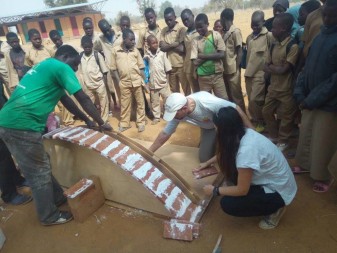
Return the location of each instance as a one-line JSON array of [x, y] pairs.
[[197, 109]]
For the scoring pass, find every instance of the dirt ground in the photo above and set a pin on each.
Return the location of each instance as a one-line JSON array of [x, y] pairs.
[[309, 225]]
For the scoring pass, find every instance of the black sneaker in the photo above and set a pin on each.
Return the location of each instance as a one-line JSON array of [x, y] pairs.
[[64, 217], [20, 199]]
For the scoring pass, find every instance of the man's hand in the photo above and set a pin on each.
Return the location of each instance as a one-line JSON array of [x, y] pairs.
[[90, 124], [106, 127]]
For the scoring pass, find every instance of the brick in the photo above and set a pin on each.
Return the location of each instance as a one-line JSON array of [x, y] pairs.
[[181, 230], [205, 172], [85, 198]]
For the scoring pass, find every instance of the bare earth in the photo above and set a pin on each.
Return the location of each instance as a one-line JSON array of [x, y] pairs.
[[309, 225]]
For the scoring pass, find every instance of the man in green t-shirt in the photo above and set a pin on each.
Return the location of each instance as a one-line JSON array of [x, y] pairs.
[[23, 119]]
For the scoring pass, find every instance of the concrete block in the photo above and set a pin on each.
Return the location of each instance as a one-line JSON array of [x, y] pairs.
[[85, 197]]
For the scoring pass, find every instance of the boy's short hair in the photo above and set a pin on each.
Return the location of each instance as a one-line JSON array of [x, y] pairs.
[[102, 22], [32, 32], [149, 10], [283, 3], [127, 32], [54, 33], [331, 3], [151, 36], [86, 20], [258, 13], [286, 20], [202, 17], [187, 11], [86, 39], [11, 35], [66, 50], [169, 10], [227, 14], [311, 5], [126, 18]]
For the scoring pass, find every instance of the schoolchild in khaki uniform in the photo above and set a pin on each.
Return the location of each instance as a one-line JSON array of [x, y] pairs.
[[105, 44], [94, 76], [4, 48], [279, 99], [258, 43], [152, 28], [233, 54], [160, 66], [218, 27], [15, 61], [171, 42], [191, 33], [37, 52], [66, 116], [207, 51], [128, 70]]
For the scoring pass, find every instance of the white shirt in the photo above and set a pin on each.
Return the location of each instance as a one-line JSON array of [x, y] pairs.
[[206, 105], [270, 168]]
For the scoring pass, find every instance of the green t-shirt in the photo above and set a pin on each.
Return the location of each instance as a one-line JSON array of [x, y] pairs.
[[37, 94]]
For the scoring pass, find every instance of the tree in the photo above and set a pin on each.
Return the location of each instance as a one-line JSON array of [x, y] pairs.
[[143, 4], [162, 8], [57, 3]]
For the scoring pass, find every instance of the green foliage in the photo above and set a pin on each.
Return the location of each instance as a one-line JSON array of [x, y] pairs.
[[162, 8], [57, 3], [143, 4]]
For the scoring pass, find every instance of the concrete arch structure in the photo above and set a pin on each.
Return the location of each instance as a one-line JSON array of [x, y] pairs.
[[130, 174]]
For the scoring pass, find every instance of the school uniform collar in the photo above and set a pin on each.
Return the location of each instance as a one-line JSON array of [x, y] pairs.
[[229, 32], [157, 30], [88, 57], [263, 31], [120, 48], [175, 27], [285, 41], [114, 37], [149, 53]]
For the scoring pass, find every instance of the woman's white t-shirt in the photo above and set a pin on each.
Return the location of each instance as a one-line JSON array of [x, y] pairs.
[[270, 168]]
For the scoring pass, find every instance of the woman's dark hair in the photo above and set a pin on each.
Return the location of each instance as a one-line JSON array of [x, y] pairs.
[[230, 129]]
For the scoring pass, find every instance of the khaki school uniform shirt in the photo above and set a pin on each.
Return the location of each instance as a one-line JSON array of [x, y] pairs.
[[143, 34], [91, 72], [257, 51], [279, 57], [119, 39], [5, 47], [159, 66], [128, 65], [198, 45], [312, 28], [170, 36], [188, 39], [102, 44], [34, 56], [233, 39], [13, 78]]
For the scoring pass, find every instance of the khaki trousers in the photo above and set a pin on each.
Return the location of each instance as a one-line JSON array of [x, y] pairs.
[[317, 143], [213, 83], [255, 87], [284, 105], [66, 117], [114, 88], [175, 77], [192, 82], [233, 83], [102, 95], [126, 97], [155, 99]]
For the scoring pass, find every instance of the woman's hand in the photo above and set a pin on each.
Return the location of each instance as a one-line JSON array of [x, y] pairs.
[[208, 189], [201, 167]]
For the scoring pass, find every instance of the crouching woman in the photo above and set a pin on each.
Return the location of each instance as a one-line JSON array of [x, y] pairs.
[[263, 184]]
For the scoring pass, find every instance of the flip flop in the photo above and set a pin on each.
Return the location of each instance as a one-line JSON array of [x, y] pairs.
[[298, 170], [321, 186]]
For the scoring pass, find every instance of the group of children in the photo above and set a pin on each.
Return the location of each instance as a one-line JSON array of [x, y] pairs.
[[199, 59]]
